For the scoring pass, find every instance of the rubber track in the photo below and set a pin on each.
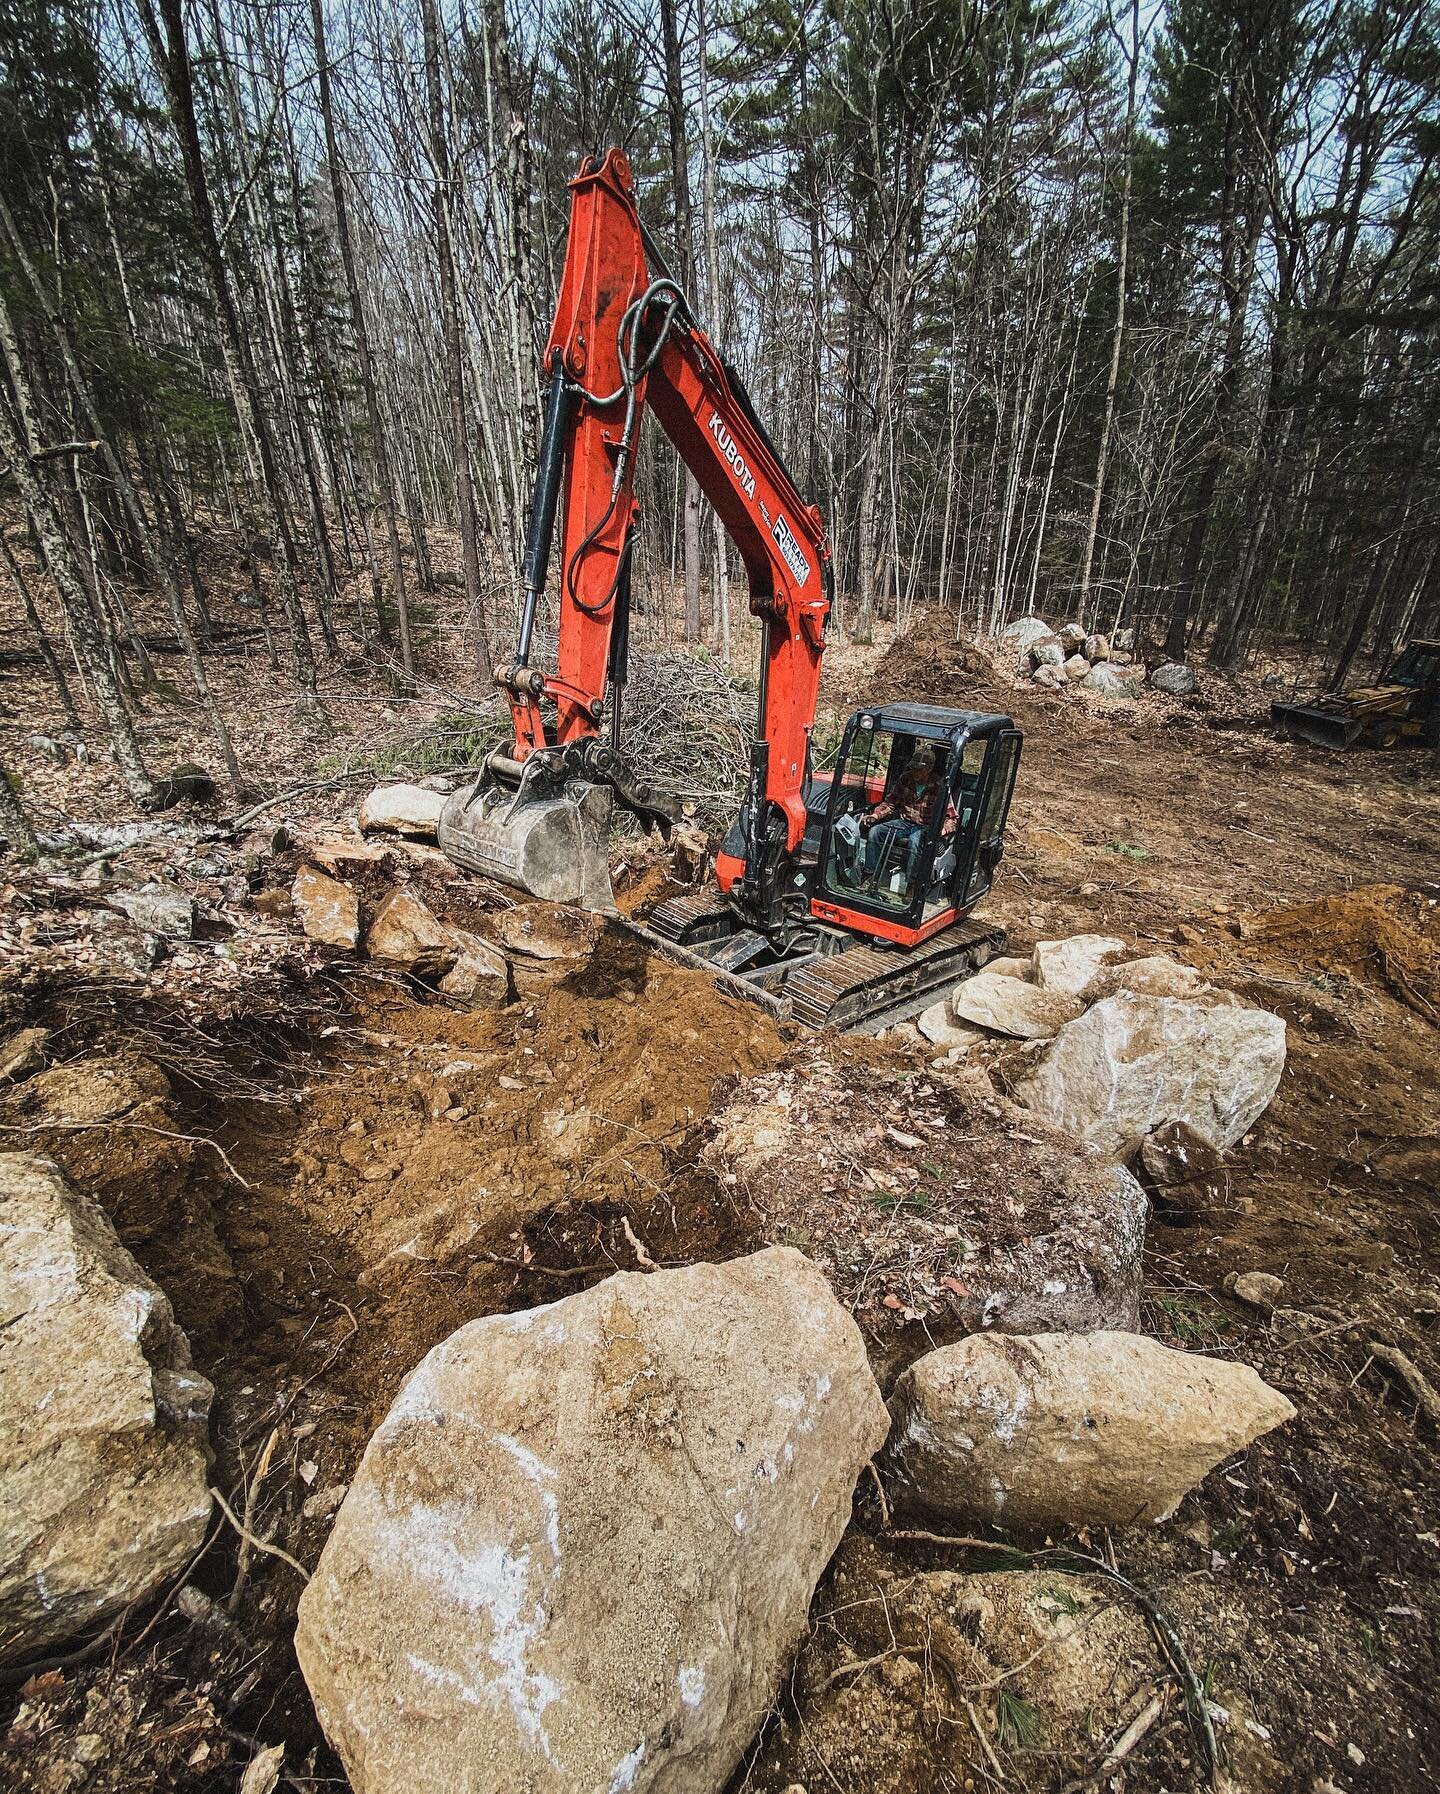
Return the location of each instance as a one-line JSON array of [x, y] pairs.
[[862, 983], [681, 918], [855, 986]]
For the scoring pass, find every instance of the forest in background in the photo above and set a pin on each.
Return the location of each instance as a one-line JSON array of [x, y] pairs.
[[1127, 312]]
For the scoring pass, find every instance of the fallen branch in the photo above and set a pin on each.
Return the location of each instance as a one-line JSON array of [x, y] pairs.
[[1081, 1563], [646, 1262], [252, 1496], [539, 1270], [1123, 1745], [917, 1535], [859, 1666], [57, 451], [269, 803], [1410, 1374]]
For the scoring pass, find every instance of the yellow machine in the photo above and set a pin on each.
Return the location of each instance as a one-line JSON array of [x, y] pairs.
[[1404, 706]]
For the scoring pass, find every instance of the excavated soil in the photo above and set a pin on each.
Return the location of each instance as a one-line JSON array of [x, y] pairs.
[[1381, 935], [933, 1205], [325, 1204]]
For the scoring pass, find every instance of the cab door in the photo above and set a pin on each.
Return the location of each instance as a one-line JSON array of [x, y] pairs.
[[976, 872]]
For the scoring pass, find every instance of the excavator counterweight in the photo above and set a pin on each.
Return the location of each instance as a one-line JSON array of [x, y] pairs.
[[842, 896]]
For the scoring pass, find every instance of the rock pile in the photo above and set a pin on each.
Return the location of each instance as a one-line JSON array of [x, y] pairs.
[[1137, 1060], [1134, 1047], [1072, 655], [403, 932], [581, 1547]]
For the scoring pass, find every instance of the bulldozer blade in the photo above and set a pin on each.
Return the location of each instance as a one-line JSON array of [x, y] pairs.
[[542, 836], [1331, 729]]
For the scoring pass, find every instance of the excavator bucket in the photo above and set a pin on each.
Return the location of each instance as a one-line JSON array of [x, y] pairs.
[[534, 828], [1334, 729]]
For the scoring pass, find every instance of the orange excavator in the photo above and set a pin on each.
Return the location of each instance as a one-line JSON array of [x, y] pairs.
[[841, 897]]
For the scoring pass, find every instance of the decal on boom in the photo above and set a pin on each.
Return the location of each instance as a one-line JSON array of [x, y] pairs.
[[794, 555], [732, 455]]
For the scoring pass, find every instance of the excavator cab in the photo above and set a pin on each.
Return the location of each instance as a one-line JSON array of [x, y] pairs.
[[915, 815]]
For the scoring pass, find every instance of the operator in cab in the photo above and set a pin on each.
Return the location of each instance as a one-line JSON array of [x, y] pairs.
[[895, 827]]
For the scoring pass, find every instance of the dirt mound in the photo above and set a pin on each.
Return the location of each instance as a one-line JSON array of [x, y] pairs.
[[930, 661], [1382, 935], [916, 1680], [928, 1201]]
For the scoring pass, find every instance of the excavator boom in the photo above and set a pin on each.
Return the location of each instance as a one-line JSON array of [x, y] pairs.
[[624, 339]]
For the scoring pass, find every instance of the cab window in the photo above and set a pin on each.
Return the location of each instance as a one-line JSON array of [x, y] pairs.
[[879, 852]]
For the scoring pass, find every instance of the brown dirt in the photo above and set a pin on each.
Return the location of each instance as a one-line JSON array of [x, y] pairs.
[[1380, 934], [929, 660], [358, 1221]]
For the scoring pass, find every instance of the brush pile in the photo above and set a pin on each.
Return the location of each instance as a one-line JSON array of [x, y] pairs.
[[687, 728]]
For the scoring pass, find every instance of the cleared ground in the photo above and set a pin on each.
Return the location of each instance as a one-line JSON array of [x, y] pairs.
[[396, 1168]]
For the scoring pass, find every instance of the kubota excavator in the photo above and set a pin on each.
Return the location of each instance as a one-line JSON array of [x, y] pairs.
[[840, 897]]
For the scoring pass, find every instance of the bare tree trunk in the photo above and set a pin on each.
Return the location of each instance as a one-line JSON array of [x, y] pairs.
[[1117, 337], [451, 327], [379, 444], [42, 639], [712, 295], [19, 836], [155, 563], [65, 571], [685, 251], [172, 58]]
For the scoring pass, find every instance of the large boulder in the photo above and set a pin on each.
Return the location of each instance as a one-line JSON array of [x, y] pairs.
[[1131, 1063], [1048, 678], [1064, 1430], [580, 1549], [103, 1443], [89, 1091], [1047, 652], [1011, 1006], [1096, 648], [1071, 964], [1171, 676], [1073, 636], [401, 810], [1111, 682], [548, 931], [1023, 632], [1076, 667]]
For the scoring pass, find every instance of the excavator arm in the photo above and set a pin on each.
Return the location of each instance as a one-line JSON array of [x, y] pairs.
[[623, 339]]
